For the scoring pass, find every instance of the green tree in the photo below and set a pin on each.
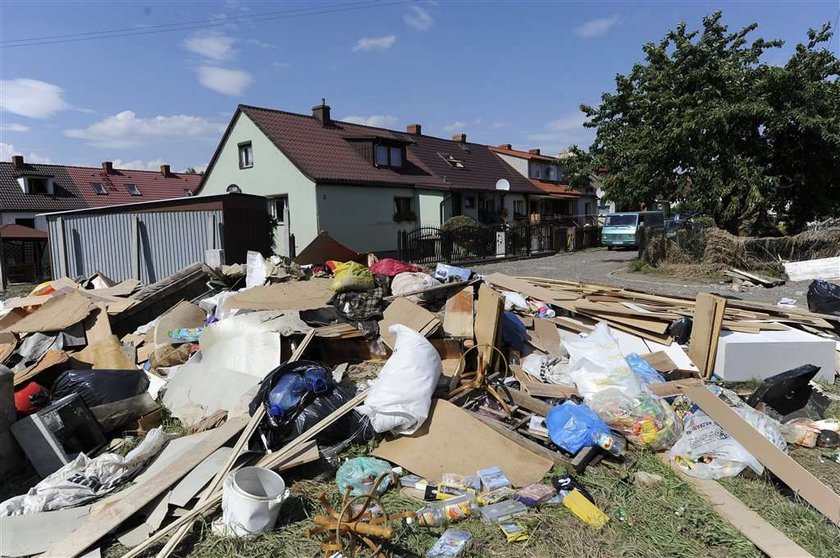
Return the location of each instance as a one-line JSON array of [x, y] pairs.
[[700, 120]]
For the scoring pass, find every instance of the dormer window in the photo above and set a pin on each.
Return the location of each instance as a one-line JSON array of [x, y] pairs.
[[387, 156], [549, 173], [42, 185]]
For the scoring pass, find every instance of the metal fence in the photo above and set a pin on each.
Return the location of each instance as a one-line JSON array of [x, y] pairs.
[[478, 243]]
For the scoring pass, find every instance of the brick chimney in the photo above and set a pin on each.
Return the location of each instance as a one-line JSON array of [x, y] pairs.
[[506, 146], [322, 113], [17, 162], [165, 171], [535, 151], [414, 129], [460, 138], [108, 167]]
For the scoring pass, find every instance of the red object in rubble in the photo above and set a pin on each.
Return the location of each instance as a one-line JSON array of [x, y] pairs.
[[23, 398], [392, 267]]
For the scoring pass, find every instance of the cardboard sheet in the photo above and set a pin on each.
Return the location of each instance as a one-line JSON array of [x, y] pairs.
[[403, 311], [51, 358], [184, 314], [293, 295], [107, 354], [8, 343], [25, 535], [452, 441], [59, 312]]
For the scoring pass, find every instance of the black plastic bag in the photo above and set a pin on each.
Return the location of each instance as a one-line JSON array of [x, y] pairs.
[[98, 387], [312, 408], [824, 297]]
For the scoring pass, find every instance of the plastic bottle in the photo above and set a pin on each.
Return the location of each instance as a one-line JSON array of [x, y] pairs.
[[446, 512], [611, 443], [286, 394]]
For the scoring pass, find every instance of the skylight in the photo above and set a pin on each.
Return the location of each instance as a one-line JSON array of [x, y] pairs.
[[99, 188], [133, 189]]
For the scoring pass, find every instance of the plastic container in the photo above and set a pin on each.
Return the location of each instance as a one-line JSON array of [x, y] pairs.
[[286, 394], [503, 511], [251, 500], [444, 513]]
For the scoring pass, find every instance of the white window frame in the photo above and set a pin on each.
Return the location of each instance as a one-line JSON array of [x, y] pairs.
[[245, 151]]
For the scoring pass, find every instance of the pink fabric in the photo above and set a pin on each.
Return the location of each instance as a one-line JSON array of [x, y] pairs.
[[392, 267]]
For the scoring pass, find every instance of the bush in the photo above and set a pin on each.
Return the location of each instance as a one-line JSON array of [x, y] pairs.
[[459, 221]]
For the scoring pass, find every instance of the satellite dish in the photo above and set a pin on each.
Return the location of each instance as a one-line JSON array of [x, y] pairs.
[[503, 184]]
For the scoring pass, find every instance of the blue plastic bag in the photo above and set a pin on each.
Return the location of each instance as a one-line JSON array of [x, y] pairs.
[[572, 427], [643, 370]]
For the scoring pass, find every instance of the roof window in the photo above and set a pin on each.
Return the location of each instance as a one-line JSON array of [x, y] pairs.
[[99, 188], [133, 189], [453, 161]]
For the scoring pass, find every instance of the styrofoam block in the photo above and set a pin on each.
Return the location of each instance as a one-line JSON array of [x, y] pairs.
[[748, 356]]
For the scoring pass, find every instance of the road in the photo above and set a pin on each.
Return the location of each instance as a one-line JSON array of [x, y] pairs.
[[604, 267]]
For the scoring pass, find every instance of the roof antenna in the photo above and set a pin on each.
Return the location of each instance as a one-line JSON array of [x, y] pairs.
[[323, 101]]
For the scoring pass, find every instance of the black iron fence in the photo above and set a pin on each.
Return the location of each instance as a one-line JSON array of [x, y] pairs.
[[476, 243]]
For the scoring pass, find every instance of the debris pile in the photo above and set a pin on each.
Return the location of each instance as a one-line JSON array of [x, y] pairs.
[[138, 411]]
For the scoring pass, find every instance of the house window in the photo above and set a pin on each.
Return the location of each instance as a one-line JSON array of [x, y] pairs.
[[98, 188], [133, 189], [549, 173], [403, 209], [381, 155], [39, 185], [519, 209], [277, 209], [453, 161], [387, 156], [469, 202], [26, 222], [246, 155]]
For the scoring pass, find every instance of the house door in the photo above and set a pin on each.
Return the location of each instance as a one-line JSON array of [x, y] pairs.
[[278, 209], [457, 204]]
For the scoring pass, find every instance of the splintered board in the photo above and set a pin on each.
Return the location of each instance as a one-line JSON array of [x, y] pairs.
[[705, 333], [458, 314], [403, 311]]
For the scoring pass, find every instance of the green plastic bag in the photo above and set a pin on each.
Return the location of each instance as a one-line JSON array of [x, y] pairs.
[[351, 276], [360, 473]]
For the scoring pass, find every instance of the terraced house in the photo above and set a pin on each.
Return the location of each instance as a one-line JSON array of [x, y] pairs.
[[362, 184]]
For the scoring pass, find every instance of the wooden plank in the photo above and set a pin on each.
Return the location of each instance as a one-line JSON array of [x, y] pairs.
[[488, 317], [97, 325], [705, 333], [767, 538], [549, 336], [436, 288], [458, 316], [525, 288], [806, 485], [100, 524], [822, 268], [553, 391], [673, 388], [660, 361], [523, 442], [572, 325], [527, 402], [403, 311]]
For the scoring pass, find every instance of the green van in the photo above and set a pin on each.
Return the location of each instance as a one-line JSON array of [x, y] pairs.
[[624, 229]]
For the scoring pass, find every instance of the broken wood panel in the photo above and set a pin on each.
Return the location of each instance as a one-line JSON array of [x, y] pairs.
[[549, 336], [98, 325], [523, 442], [58, 313], [708, 319], [458, 316], [488, 317], [799, 479], [403, 311], [525, 288]]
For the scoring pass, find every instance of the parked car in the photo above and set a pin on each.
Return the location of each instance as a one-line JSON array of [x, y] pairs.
[[625, 229]]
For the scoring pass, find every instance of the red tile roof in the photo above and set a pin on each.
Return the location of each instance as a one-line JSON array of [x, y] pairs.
[[556, 190], [72, 189], [324, 154], [21, 232], [522, 154]]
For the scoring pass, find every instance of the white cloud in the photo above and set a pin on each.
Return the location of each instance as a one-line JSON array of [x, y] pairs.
[[14, 128], [226, 81], [125, 129], [596, 27], [138, 164], [7, 150], [375, 43], [418, 18], [377, 120], [457, 125], [211, 45], [30, 97], [563, 132]]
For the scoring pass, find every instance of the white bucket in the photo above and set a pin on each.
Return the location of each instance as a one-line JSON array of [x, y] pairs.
[[251, 500]]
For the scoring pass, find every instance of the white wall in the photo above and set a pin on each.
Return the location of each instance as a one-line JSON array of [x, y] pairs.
[[518, 163], [509, 199], [428, 207], [8, 218], [362, 217], [272, 174]]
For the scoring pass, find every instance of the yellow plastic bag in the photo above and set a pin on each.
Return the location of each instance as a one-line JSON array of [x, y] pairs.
[[351, 276]]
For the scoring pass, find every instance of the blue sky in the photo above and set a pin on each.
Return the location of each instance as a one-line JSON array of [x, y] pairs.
[[503, 72]]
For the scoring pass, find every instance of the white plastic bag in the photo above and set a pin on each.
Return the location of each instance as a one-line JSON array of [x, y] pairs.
[[256, 270], [400, 398], [515, 301], [707, 451], [596, 363], [551, 369], [85, 479], [408, 281]]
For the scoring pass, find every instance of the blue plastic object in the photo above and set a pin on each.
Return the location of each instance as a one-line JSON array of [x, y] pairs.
[[572, 427], [643, 370], [513, 331], [286, 394]]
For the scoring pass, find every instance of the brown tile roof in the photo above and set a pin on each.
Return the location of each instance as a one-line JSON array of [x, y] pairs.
[[21, 233], [522, 154], [324, 154], [556, 190], [72, 189]]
